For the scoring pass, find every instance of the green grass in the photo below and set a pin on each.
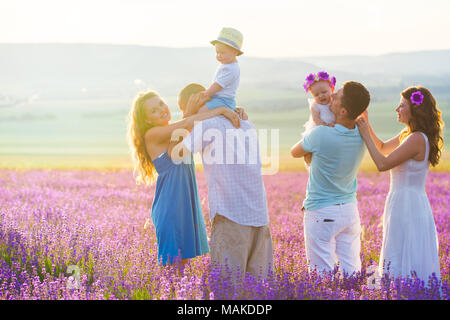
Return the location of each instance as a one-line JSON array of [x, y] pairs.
[[91, 134]]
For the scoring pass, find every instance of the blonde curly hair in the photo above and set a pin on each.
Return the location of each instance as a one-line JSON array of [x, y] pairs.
[[144, 171]]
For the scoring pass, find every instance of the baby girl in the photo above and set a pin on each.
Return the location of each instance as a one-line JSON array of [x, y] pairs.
[[321, 87]]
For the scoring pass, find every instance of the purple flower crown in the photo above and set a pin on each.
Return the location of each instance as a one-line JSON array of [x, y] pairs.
[[416, 98], [321, 75]]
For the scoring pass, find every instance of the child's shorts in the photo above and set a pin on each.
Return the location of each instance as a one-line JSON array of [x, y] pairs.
[[217, 101]]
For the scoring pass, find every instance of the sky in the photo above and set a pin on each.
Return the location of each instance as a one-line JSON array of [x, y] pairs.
[[275, 28]]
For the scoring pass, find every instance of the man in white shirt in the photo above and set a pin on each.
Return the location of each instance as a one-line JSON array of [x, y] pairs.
[[240, 233]]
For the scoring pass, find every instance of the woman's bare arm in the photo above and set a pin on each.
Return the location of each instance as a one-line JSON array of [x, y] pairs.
[[409, 149], [385, 147], [162, 134]]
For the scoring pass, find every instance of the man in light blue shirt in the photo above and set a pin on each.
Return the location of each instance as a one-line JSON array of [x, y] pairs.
[[337, 153], [331, 221]]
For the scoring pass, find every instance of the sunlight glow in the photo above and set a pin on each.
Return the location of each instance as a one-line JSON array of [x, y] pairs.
[[285, 28]]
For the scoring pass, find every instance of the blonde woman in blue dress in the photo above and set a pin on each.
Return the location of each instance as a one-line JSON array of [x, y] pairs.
[[410, 242], [176, 209]]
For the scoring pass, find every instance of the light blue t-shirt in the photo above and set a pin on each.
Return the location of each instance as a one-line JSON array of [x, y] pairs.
[[228, 76], [337, 153]]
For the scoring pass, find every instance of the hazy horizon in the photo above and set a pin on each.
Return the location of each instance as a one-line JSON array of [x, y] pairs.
[[206, 47]]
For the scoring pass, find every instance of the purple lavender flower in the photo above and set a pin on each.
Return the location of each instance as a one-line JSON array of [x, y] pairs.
[[310, 79], [323, 75], [417, 98], [306, 87], [333, 81], [118, 262]]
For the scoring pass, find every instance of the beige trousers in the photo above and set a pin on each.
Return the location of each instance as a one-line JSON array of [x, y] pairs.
[[249, 248]]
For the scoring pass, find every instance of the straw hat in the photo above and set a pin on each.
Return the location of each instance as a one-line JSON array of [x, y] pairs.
[[231, 37]]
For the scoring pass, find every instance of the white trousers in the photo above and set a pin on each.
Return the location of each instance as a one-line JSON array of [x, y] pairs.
[[333, 235]]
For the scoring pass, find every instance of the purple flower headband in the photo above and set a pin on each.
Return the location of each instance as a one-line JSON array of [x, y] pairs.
[[322, 75], [416, 98]]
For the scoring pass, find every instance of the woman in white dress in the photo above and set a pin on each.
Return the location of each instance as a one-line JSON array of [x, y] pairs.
[[410, 243]]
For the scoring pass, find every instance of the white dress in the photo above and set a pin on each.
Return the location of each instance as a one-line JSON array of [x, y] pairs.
[[325, 115], [410, 241]]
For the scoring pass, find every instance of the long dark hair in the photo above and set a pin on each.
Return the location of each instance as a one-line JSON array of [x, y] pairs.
[[425, 118]]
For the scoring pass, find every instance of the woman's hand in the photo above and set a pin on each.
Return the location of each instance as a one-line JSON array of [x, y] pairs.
[[241, 113], [363, 126], [365, 115], [231, 115], [194, 103]]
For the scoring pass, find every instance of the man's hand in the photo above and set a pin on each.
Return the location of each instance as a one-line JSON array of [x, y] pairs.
[[205, 95], [308, 158], [232, 116], [297, 150], [241, 113]]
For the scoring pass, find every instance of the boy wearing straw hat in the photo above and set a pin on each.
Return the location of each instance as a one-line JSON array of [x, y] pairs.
[[226, 80]]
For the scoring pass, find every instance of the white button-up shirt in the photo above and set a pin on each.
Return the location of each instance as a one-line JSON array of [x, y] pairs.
[[233, 170]]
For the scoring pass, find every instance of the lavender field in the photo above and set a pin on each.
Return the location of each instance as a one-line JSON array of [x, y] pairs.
[[94, 220]]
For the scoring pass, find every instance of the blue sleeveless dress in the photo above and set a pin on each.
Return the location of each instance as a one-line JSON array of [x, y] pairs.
[[176, 211]]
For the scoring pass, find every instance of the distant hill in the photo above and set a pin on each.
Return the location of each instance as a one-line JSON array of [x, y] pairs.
[[421, 63], [63, 100], [76, 71], [41, 66]]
